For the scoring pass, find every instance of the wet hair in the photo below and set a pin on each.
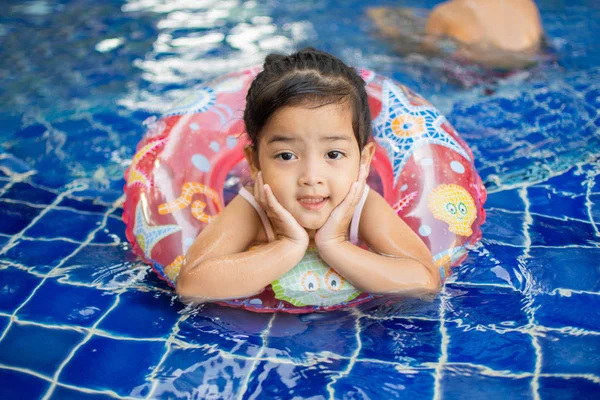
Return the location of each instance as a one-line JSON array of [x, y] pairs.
[[307, 78]]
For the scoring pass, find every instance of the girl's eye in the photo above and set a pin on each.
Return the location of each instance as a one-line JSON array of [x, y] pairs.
[[335, 155], [285, 156]]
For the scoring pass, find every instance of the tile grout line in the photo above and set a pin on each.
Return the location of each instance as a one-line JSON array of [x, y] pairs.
[[64, 239], [589, 377], [74, 350], [5, 188], [89, 238], [64, 208], [539, 246], [34, 291], [396, 317], [527, 221], [568, 330], [92, 330], [439, 369], [57, 191], [168, 343], [43, 377], [18, 178], [83, 329], [352, 359], [520, 185], [483, 369], [563, 292], [554, 217], [589, 203], [486, 370], [19, 235], [62, 278], [260, 353], [482, 284]]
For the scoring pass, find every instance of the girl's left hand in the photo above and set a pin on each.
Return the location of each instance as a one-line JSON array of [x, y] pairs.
[[335, 229]]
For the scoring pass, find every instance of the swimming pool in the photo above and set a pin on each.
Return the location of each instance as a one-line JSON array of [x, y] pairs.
[[80, 316]]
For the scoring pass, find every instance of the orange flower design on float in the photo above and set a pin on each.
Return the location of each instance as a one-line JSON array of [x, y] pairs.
[[406, 125]]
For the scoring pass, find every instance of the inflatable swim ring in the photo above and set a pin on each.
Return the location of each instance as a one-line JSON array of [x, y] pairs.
[[190, 164]]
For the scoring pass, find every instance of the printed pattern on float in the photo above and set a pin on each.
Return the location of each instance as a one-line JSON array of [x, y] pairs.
[[445, 259], [454, 205], [404, 202], [188, 190], [401, 127], [201, 100], [137, 176], [313, 283], [172, 270], [148, 236]]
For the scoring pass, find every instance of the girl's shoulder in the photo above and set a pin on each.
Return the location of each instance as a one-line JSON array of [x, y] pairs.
[[385, 232], [375, 206], [238, 224], [233, 231], [250, 205]]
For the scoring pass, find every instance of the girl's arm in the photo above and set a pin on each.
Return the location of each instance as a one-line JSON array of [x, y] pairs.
[[400, 261], [218, 265]]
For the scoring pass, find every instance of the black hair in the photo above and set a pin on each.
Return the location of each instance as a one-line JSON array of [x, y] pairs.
[[308, 77]]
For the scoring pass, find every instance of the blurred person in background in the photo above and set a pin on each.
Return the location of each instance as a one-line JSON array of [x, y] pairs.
[[499, 35]]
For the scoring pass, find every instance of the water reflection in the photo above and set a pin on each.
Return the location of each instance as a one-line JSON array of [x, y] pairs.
[[199, 41]]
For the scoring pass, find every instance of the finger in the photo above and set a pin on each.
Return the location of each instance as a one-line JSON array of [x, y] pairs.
[[271, 200], [361, 182], [257, 187], [350, 197], [273, 205], [365, 173], [261, 189], [344, 210]]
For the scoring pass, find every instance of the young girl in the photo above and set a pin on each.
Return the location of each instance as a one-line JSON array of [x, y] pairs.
[[309, 125]]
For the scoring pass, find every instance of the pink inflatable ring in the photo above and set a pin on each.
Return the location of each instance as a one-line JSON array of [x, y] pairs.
[[190, 164]]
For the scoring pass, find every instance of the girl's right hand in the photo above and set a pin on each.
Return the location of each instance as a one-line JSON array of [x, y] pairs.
[[284, 224]]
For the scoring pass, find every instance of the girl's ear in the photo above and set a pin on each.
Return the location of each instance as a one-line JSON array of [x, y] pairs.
[[252, 160], [366, 156]]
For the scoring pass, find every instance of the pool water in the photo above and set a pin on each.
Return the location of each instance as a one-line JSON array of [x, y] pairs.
[[82, 317]]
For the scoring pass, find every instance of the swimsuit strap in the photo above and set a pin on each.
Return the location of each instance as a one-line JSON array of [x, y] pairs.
[[269, 230], [261, 213], [356, 216]]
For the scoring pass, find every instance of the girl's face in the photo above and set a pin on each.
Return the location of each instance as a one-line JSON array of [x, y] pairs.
[[310, 158]]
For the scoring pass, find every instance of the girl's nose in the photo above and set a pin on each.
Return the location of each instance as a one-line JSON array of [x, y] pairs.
[[311, 174]]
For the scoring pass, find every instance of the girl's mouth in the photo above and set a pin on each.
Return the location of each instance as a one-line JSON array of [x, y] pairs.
[[313, 203]]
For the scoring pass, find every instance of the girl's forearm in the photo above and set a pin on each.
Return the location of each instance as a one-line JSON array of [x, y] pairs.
[[379, 274], [238, 275]]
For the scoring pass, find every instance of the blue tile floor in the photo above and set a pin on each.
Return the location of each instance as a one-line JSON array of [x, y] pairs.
[[82, 317]]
